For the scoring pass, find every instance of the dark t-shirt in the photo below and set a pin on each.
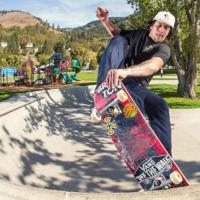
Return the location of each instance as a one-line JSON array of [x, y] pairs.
[[141, 48]]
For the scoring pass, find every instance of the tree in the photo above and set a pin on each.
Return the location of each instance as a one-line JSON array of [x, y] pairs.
[[99, 54], [68, 39], [185, 46], [13, 60], [43, 59], [92, 64], [13, 44], [59, 47], [3, 62], [58, 28], [185, 41], [46, 48]]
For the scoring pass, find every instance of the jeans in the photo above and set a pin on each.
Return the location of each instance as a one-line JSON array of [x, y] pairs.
[[151, 105]]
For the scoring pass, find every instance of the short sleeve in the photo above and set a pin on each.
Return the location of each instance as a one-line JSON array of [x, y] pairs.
[[163, 52]]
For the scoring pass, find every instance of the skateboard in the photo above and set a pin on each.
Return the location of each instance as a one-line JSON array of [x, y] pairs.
[[136, 142]]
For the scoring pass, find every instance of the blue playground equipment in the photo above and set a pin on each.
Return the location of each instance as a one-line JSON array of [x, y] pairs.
[[6, 71], [7, 75], [66, 78], [76, 67], [56, 69]]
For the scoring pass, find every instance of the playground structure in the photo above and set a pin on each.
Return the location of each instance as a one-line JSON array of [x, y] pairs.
[[25, 73], [7, 75], [57, 71]]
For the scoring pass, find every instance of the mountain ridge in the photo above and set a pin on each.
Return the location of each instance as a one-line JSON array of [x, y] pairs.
[[18, 18], [22, 19]]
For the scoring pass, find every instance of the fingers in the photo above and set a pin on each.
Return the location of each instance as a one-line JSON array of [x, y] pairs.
[[106, 11], [101, 12], [98, 12], [112, 79]]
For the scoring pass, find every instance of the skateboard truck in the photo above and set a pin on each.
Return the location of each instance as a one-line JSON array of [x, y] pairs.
[[96, 115], [159, 183]]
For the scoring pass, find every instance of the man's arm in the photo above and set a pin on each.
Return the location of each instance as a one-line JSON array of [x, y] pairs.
[[144, 69], [102, 15]]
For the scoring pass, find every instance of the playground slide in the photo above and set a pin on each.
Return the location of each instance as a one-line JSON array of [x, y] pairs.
[[66, 78]]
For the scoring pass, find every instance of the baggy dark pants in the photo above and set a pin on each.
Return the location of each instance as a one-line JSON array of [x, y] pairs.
[[149, 103]]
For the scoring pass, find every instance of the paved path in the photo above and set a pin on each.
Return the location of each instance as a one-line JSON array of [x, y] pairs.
[[48, 141], [171, 82]]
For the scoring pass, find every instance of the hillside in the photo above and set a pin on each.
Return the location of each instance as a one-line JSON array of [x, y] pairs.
[[17, 18], [97, 23], [85, 41], [22, 19], [95, 29]]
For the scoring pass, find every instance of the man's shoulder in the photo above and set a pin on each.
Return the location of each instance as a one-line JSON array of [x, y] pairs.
[[164, 46], [162, 51], [141, 31], [160, 45]]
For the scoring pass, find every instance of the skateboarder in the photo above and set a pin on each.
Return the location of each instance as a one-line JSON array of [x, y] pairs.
[[134, 56]]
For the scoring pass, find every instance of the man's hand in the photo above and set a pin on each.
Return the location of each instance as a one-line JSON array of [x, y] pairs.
[[113, 77], [102, 14]]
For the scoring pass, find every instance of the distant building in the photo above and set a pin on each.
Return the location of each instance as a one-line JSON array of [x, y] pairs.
[[29, 45], [36, 50], [3, 44]]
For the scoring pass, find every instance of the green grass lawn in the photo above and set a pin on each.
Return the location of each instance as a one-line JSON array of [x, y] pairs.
[[6, 93], [88, 75], [168, 92]]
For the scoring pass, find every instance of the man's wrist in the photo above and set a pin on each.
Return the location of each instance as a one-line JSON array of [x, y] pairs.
[[105, 20], [123, 73]]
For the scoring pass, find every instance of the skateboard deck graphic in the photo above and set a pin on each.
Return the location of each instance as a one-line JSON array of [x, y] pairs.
[[136, 142]]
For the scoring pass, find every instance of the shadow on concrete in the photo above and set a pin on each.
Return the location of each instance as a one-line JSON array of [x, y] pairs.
[[190, 169], [68, 119]]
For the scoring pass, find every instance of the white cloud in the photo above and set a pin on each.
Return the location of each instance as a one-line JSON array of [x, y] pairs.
[[69, 13], [73, 13]]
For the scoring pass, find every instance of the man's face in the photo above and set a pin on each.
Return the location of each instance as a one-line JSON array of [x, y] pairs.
[[159, 31]]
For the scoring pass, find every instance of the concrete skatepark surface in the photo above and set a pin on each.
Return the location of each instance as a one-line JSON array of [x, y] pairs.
[[47, 141]]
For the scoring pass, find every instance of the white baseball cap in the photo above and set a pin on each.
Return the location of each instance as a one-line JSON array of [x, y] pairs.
[[165, 17]]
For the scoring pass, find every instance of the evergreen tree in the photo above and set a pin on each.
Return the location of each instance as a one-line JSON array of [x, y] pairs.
[[59, 47], [58, 28], [46, 49], [13, 44]]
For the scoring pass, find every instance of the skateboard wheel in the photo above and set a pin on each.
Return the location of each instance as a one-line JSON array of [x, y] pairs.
[[176, 178], [94, 116], [122, 96]]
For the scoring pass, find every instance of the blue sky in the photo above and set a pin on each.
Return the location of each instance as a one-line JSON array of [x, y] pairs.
[[67, 13]]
